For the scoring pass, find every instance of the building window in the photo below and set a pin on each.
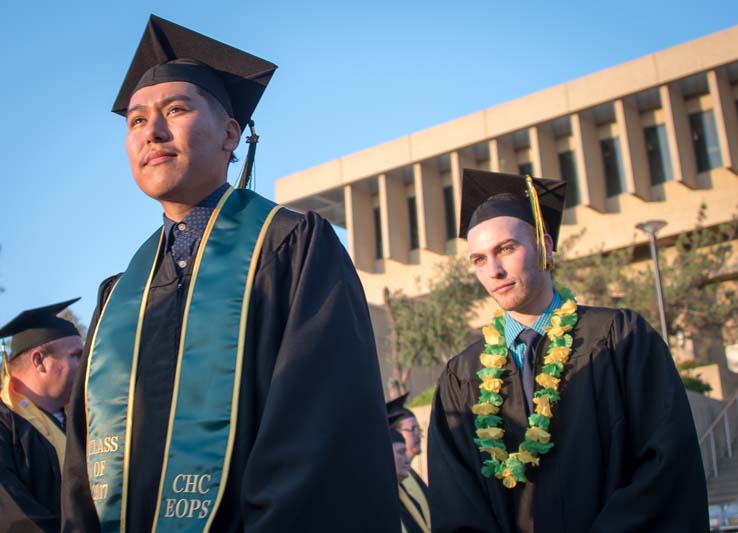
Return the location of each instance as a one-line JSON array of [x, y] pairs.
[[568, 168], [378, 233], [705, 141], [525, 169], [412, 212], [657, 149], [448, 202], [612, 161]]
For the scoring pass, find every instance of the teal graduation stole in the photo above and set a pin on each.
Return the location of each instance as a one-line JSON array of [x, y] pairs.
[[202, 421]]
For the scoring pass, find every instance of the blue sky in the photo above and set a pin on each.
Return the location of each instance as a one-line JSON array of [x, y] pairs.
[[351, 75]]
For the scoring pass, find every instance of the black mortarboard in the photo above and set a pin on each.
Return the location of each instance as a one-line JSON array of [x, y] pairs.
[[396, 409], [487, 195], [169, 52], [38, 326]]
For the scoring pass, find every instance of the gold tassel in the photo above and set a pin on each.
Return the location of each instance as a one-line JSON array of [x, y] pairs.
[[538, 219]]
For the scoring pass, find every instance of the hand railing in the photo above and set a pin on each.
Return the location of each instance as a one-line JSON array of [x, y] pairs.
[[717, 440]]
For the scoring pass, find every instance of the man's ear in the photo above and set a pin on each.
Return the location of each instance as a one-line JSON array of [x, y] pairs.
[[37, 360], [233, 135]]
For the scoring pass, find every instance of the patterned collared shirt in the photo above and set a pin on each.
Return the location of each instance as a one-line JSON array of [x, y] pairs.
[[513, 328], [183, 238]]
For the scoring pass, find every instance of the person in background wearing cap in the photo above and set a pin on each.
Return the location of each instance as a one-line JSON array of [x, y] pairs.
[[414, 510], [403, 420], [231, 378], [36, 380], [562, 417]]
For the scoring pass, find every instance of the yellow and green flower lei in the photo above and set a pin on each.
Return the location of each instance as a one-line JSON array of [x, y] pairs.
[[509, 468]]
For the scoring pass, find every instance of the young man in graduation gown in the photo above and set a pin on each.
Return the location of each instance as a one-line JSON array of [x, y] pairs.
[[231, 380], [563, 417], [414, 509], [37, 377]]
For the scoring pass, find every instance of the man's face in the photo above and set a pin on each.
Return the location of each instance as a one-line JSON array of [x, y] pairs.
[[503, 252], [412, 433], [178, 144], [402, 463], [60, 364]]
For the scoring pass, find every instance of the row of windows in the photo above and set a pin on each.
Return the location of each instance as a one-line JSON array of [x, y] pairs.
[[704, 143]]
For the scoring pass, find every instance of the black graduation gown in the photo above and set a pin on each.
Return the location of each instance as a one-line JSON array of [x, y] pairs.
[[625, 455], [312, 448], [29, 477]]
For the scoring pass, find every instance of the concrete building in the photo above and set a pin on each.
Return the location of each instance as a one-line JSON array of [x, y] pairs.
[[652, 138]]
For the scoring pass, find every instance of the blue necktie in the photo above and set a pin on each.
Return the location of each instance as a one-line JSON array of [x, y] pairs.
[[529, 337]]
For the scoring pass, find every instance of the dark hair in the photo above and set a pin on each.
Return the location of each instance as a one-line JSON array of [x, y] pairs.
[[215, 107]]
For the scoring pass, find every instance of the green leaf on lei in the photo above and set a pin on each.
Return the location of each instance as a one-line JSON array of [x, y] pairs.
[[489, 443], [487, 421], [517, 468], [537, 448], [490, 373], [495, 349], [566, 294], [490, 397], [553, 395], [539, 420], [557, 342], [553, 369], [488, 468]]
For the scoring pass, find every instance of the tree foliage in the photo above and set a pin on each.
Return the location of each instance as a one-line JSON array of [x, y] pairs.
[[690, 380], [695, 303], [430, 328]]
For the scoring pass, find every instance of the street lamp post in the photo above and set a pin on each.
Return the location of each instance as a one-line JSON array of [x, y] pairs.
[[652, 227]]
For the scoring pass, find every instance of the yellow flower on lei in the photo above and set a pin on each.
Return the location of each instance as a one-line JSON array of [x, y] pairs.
[[527, 458], [491, 384], [481, 409], [557, 355], [490, 433], [547, 381], [507, 479], [492, 361], [492, 336], [569, 308], [537, 434], [543, 406], [497, 453], [556, 330]]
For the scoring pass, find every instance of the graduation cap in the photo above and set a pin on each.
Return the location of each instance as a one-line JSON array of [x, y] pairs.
[[38, 326], [396, 409], [169, 52], [537, 201]]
